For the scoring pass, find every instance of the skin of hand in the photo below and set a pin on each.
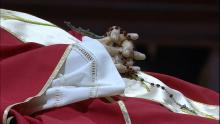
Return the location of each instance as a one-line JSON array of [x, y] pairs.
[[120, 46]]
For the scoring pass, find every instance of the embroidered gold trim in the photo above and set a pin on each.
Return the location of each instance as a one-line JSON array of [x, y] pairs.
[[110, 99], [124, 112], [14, 17], [48, 83]]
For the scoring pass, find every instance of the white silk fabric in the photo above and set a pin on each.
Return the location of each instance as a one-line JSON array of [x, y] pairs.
[[29, 28]]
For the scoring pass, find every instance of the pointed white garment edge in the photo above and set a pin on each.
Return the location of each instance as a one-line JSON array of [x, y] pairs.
[[88, 72]]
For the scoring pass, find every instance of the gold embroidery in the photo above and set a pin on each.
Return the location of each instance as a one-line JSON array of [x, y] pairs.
[[14, 17], [10, 15], [124, 112], [110, 99]]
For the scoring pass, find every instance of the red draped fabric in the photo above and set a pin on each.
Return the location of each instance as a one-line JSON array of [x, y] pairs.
[[26, 67], [97, 111]]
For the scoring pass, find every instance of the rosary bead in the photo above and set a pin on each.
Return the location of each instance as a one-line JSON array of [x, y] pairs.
[[171, 95], [183, 106], [158, 85]]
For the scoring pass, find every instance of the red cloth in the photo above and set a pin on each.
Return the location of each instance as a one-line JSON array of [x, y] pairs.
[[76, 34], [26, 67], [98, 112]]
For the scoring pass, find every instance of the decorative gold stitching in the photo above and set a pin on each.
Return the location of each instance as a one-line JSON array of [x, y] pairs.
[[14, 17], [124, 112]]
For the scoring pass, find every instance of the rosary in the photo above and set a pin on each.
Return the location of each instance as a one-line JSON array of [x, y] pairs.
[[120, 46]]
